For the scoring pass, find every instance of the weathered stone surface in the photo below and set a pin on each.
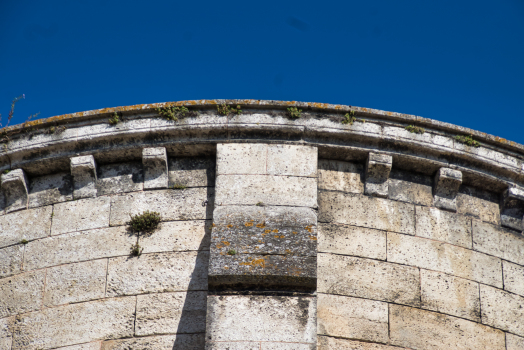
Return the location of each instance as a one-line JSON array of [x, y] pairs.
[[514, 342], [50, 189], [227, 345], [353, 318], [78, 246], [378, 167], [370, 279], [120, 178], [483, 205], [502, 310], [11, 260], [83, 170], [85, 346], [27, 224], [419, 329], [494, 240], [171, 313], [161, 272], [6, 338], [443, 226], [164, 342], [14, 184], [358, 210], [74, 283], [269, 190], [512, 208], [336, 175], [329, 343], [178, 236], [513, 277], [410, 187], [447, 183], [443, 257], [2, 202], [261, 318], [450, 295], [75, 323], [287, 346], [352, 240], [292, 160], [241, 158], [188, 204], [21, 293], [192, 172], [154, 161], [84, 214]]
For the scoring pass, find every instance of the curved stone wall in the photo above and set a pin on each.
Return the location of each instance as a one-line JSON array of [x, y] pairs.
[[276, 233]]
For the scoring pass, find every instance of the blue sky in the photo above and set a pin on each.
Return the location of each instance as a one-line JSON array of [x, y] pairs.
[[456, 61]]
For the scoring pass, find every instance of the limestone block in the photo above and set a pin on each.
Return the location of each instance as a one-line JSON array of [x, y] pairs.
[[410, 188], [354, 318], [154, 161], [2, 202], [188, 204], [227, 345], [494, 240], [241, 158], [261, 318], [21, 293], [75, 324], [11, 260], [329, 343], [443, 257], [6, 338], [512, 208], [84, 214], [336, 175], [502, 310], [513, 277], [192, 171], [159, 342], [292, 160], [28, 224], [450, 295], [352, 240], [73, 283], [269, 190], [419, 329], [120, 178], [83, 170], [78, 246], [50, 189], [514, 342], [443, 226], [358, 210], [161, 272], [480, 204], [370, 279], [287, 346], [378, 167], [178, 236], [447, 183], [15, 185], [85, 346], [171, 313]]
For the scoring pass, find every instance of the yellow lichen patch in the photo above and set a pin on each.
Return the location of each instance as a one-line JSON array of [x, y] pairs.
[[229, 226], [261, 225], [213, 225], [313, 238], [259, 241], [226, 268], [308, 228], [255, 263], [248, 224], [275, 231], [267, 231], [294, 232], [287, 251], [226, 243]]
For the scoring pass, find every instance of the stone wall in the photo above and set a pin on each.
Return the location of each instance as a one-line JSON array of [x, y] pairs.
[[320, 235]]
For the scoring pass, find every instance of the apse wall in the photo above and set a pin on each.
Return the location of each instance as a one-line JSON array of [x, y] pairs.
[[384, 233]]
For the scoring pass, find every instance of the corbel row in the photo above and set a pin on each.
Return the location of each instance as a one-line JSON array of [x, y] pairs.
[[446, 185], [15, 184]]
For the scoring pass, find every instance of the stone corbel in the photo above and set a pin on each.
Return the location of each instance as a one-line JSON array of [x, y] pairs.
[[83, 170], [14, 185], [512, 208], [378, 167], [447, 183], [154, 161]]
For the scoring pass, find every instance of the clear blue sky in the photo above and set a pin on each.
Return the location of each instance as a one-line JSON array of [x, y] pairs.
[[456, 61]]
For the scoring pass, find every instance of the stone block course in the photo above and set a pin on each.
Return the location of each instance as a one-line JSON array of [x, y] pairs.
[[85, 346], [192, 171], [50, 189], [341, 176], [369, 279], [292, 160], [27, 224], [443, 226], [513, 277], [241, 158], [502, 310], [83, 214], [497, 241], [120, 178], [6, 338], [329, 343], [352, 240], [443, 257], [514, 342], [353, 318], [419, 329], [410, 188], [21, 293], [159, 342], [11, 259], [479, 204], [159, 272], [178, 236]]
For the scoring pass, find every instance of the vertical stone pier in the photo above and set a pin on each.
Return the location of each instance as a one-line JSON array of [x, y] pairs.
[[263, 255]]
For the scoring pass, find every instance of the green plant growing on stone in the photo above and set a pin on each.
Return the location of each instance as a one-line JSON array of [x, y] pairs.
[[231, 252], [115, 119], [174, 113], [145, 223], [6, 171], [260, 204], [24, 241], [294, 112], [415, 129], [136, 250], [178, 187], [467, 140], [56, 130], [226, 110], [349, 118]]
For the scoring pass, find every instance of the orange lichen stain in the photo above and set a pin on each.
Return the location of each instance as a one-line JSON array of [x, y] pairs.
[[275, 231], [259, 241], [255, 263], [313, 238], [248, 224], [226, 268], [308, 228], [261, 225], [226, 243], [229, 226], [277, 236], [213, 225], [287, 251], [294, 232], [266, 231]]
